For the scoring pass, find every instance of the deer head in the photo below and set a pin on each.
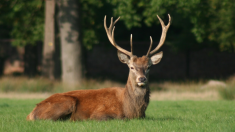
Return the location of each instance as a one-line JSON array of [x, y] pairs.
[[139, 66]]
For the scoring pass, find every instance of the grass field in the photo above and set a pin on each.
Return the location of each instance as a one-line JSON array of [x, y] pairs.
[[162, 116]]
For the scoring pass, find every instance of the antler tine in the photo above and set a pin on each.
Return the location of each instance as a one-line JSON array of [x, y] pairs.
[[150, 47], [111, 25], [163, 36], [116, 20], [131, 45], [110, 34]]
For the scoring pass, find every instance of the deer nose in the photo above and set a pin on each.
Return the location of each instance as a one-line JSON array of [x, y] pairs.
[[142, 79]]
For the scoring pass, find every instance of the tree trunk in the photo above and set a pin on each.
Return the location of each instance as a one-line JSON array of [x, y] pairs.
[[49, 41], [71, 47]]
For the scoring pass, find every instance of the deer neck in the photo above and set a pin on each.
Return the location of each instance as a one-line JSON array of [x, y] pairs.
[[136, 98]]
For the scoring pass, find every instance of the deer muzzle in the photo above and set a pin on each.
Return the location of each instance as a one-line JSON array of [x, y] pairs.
[[141, 81]]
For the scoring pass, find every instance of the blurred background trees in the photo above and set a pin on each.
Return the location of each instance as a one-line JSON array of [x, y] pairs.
[[196, 24]]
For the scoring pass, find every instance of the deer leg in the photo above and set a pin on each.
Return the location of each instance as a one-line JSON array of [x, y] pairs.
[[54, 108]]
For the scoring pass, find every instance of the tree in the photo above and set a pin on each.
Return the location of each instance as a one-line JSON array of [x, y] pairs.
[[25, 18], [48, 63], [221, 28], [71, 47], [22, 21], [90, 33]]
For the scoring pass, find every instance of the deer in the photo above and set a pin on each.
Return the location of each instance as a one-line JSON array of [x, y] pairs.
[[107, 103]]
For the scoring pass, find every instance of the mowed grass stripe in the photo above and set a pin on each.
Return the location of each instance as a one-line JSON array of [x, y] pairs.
[[160, 116]]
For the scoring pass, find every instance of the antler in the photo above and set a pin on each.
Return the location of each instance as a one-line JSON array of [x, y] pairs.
[[110, 34], [151, 43], [163, 37]]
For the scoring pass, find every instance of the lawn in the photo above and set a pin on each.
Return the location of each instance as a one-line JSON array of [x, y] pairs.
[[162, 116]]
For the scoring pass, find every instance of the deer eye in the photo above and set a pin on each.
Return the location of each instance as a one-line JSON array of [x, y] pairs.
[[132, 67]]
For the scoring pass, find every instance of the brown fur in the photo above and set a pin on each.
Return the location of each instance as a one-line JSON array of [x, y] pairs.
[[102, 104], [141, 61]]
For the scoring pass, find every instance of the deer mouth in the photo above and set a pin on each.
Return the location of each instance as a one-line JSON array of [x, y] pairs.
[[141, 83]]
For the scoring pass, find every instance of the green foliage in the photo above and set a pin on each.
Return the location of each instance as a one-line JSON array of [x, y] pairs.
[[92, 13], [25, 17], [222, 28], [180, 35], [129, 10], [186, 16], [26, 20], [162, 116], [195, 23]]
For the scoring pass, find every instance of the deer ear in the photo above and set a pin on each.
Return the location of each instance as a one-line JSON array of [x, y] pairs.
[[156, 58], [123, 57]]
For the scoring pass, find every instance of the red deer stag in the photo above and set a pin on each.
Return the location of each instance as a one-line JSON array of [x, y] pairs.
[[107, 103]]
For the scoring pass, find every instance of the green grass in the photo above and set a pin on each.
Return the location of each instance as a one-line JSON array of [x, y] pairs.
[[162, 116]]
